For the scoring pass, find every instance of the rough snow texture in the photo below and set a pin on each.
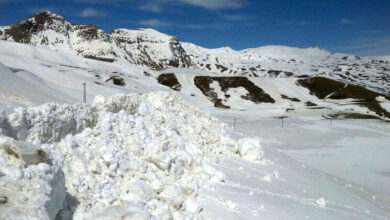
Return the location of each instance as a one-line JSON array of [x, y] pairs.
[[138, 156], [142, 46], [28, 190]]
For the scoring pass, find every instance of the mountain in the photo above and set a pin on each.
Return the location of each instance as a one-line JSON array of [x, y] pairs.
[[222, 77], [141, 46], [158, 51], [281, 61]]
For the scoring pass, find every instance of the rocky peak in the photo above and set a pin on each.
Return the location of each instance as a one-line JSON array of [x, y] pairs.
[[145, 47], [23, 31], [152, 48]]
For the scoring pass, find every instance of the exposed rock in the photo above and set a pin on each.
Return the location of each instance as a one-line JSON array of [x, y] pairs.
[[170, 80], [255, 94], [289, 98], [116, 80]]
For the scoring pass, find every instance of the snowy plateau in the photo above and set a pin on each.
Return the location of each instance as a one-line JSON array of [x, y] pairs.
[[171, 130]]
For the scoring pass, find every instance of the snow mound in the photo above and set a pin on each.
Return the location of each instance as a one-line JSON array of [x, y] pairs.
[[30, 188], [250, 149], [139, 156]]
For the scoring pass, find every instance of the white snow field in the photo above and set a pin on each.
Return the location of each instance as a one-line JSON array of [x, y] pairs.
[[154, 154]]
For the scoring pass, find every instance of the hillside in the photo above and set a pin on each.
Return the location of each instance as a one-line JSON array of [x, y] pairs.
[[33, 75]]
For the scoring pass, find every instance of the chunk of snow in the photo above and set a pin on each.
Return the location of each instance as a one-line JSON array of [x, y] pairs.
[[321, 202], [250, 149], [30, 189]]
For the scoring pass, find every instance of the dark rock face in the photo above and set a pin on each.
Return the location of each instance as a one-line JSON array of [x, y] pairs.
[[327, 88], [22, 31], [289, 98], [310, 104], [179, 54], [116, 80], [170, 80], [255, 94], [91, 32]]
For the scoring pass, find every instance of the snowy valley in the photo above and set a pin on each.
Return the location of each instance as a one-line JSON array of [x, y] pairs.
[[172, 130]]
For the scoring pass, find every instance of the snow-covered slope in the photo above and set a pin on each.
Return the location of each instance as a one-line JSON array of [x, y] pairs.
[[142, 46], [33, 75], [281, 61]]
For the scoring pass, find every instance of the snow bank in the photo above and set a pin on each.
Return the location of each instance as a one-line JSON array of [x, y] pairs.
[[138, 156], [30, 188]]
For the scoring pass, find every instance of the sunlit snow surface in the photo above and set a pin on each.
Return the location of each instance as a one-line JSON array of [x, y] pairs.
[[346, 163], [310, 167]]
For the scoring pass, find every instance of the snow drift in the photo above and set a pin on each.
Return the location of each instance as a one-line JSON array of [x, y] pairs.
[[138, 156]]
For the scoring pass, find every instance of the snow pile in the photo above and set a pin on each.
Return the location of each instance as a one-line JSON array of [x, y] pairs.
[[30, 188], [138, 156]]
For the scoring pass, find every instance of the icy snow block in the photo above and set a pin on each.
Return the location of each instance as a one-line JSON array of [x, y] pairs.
[[24, 151], [250, 149]]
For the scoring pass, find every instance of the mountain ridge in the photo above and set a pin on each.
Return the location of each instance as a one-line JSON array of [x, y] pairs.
[[159, 51], [53, 31]]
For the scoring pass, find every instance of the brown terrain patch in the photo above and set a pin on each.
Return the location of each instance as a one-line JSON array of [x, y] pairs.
[[327, 88], [255, 94]]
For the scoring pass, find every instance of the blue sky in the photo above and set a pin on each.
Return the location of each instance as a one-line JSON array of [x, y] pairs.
[[360, 27]]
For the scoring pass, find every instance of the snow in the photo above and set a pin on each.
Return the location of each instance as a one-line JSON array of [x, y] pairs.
[[31, 190], [264, 61], [152, 151], [250, 149], [145, 47], [163, 155]]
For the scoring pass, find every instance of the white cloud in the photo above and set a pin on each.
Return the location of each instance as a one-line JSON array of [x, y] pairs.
[[156, 6], [214, 4], [346, 21], [90, 12], [154, 23], [151, 7]]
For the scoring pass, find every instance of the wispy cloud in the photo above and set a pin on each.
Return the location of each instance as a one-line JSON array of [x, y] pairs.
[[154, 23], [90, 12], [151, 7], [193, 26], [214, 4], [347, 21], [157, 6], [235, 17]]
